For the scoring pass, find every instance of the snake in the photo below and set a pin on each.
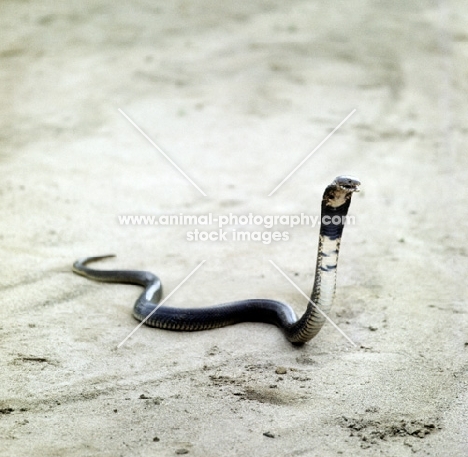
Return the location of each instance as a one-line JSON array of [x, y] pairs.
[[149, 309]]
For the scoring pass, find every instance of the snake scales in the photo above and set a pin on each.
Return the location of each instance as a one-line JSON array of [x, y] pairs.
[[335, 202]]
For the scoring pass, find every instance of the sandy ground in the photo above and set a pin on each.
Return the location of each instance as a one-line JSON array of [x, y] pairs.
[[237, 94]]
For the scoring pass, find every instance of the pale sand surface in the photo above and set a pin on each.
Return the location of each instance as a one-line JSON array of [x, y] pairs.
[[237, 94]]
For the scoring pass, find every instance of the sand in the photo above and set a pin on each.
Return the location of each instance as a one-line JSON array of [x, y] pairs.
[[236, 95]]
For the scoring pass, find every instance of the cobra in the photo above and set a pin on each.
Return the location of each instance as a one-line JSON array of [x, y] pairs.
[[335, 204]]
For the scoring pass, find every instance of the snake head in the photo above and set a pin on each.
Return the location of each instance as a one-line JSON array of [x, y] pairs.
[[347, 183], [340, 191]]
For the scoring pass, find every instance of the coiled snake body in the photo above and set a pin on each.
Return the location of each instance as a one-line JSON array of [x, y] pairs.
[[335, 204]]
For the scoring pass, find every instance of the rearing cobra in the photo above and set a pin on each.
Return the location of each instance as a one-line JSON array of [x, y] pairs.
[[335, 204]]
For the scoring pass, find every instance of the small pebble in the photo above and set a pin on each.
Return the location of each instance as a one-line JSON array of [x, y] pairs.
[[181, 451], [6, 410], [155, 439], [281, 370]]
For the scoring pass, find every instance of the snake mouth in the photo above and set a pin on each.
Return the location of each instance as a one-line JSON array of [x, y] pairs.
[[347, 183]]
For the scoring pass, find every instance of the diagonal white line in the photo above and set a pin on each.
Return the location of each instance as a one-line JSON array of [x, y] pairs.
[[161, 151], [316, 148], [316, 307], [159, 305]]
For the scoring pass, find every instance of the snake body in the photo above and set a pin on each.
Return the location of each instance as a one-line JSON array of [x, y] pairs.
[[335, 203]]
